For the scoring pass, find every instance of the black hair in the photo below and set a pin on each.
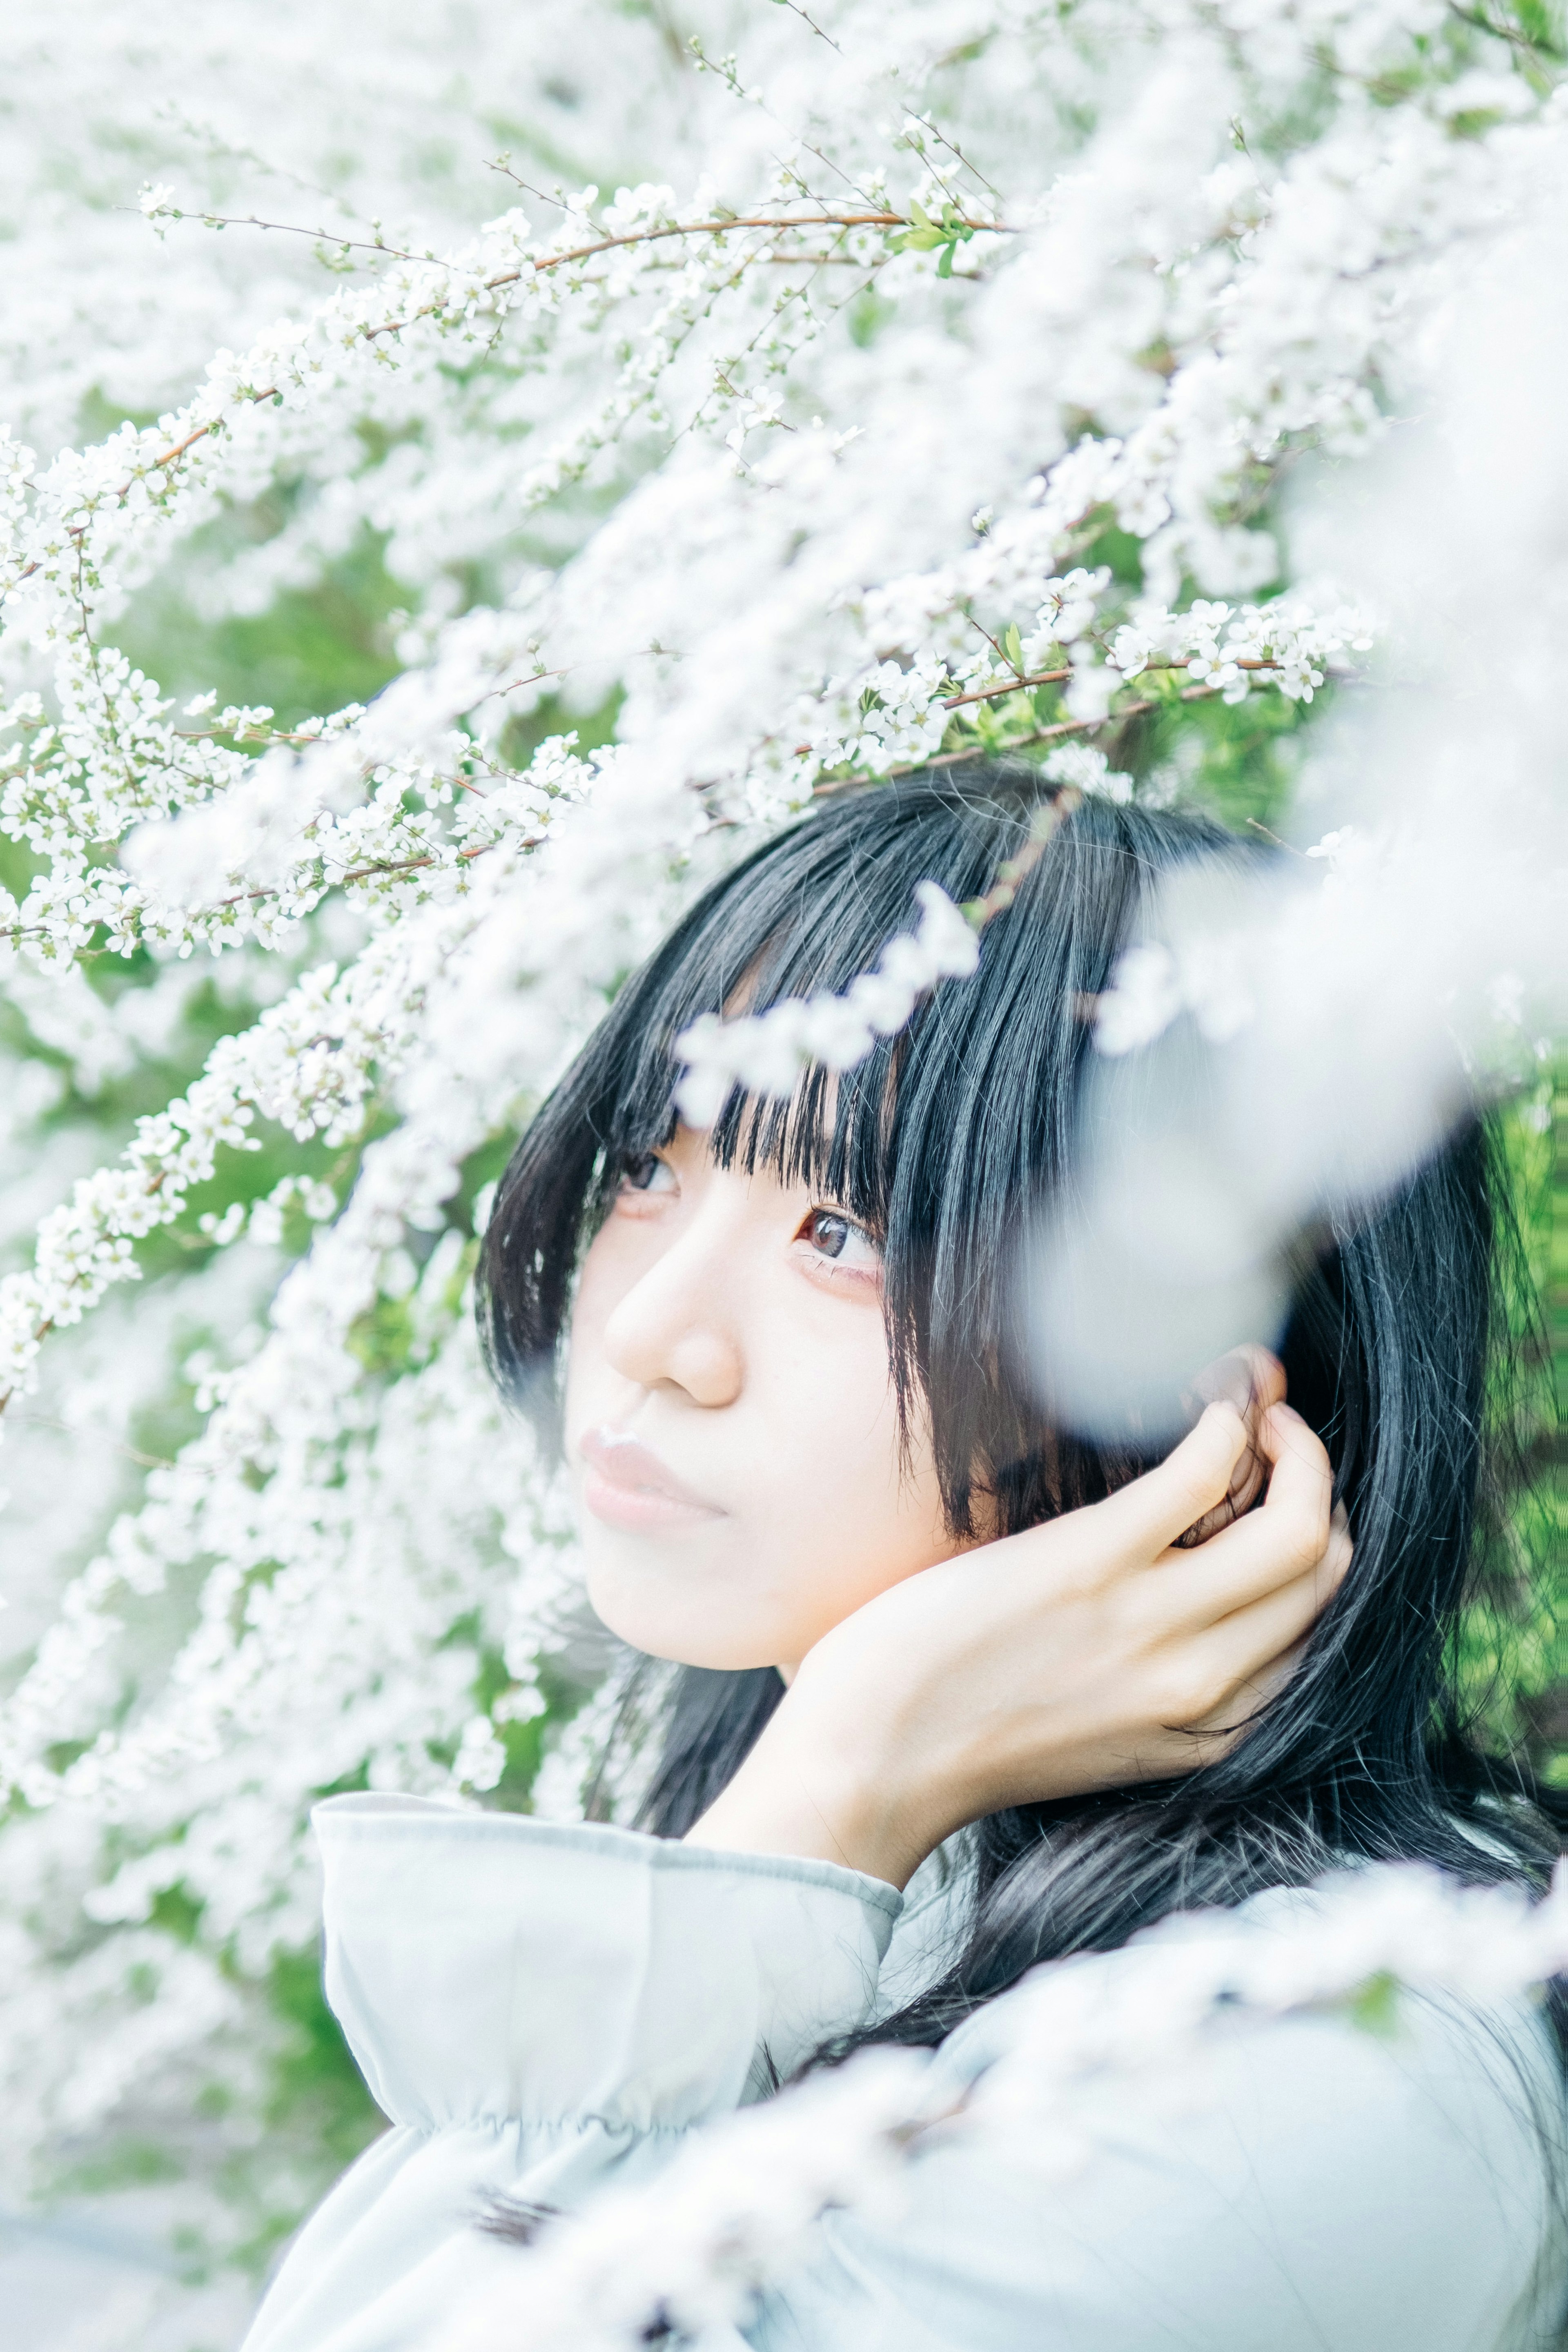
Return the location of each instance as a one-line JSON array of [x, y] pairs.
[[945, 1141]]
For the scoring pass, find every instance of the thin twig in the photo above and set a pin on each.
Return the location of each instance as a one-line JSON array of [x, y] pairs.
[[1255, 826], [1013, 870], [50, 1421], [1017, 684], [796, 10], [287, 228], [1056, 734], [1510, 33], [869, 219], [376, 866], [954, 149], [557, 202]]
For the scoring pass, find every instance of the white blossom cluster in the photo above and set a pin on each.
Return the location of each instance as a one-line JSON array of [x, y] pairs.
[[768, 1051], [922, 388], [1285, 642], [1076, 2047]]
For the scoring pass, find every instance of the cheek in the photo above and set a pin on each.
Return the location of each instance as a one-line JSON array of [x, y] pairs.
[[838, 1516], [602, 1284], [822, 1514]]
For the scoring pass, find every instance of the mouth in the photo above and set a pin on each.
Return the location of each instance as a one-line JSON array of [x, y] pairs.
[[625, 1485]]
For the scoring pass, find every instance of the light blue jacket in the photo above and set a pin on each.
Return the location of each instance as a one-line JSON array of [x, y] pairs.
[[542, 2010]]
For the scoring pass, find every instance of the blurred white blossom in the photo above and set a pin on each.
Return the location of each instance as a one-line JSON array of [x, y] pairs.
[[1072, 2049]]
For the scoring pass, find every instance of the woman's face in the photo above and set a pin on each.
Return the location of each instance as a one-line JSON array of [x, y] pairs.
[[730, 1422]]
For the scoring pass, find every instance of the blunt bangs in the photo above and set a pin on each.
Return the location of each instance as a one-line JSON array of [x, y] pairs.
[[941, 1142]]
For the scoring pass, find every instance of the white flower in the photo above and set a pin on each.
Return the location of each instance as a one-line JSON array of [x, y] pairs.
[[1092, 684], [768, 1051], [1087, 769], [1143, 999]]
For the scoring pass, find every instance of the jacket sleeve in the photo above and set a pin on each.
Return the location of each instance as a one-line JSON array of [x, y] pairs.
[[540, 2009]]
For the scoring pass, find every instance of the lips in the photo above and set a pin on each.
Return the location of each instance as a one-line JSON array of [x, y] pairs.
[[627, 1485]]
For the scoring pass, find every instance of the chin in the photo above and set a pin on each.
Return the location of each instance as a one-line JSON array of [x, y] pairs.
[[683, 1626]]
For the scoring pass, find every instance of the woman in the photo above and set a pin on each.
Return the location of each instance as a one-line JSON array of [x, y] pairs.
[[958, 1697]]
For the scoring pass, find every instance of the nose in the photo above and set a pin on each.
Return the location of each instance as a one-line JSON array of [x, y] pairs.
[[673, 1327]]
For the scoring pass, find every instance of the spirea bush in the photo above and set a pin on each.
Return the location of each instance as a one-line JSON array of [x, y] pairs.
[[468, 477]]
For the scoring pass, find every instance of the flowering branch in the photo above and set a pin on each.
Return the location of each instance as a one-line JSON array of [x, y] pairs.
[[915, 226], [769, 1051]]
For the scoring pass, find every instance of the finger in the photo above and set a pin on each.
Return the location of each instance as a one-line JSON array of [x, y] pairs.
[[1249, 1574], [1298, 1460], [1189, 1741], [1216, 1732], [1286, 1537], [1249, 1378], [1189, 1745], [1150, 1512], [1244, 1648], [1252, 1379]]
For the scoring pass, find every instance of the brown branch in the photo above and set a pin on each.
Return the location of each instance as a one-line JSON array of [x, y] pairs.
[[587, 253], [538, 269], [830, 260], [1054, 734], [416, 864], [1077, 726], [1243, 661], [341, 882], [1013, 870], [381, 866], [1016, 685]]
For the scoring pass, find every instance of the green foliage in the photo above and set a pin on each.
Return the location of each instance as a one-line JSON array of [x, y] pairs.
[[311, 652], [1237, 760], [944, 234], [1512, 1656], [129, 2163], [317, 2069]]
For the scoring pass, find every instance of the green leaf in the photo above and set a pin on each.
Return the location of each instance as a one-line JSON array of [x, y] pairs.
[[1012, 647], [1374, 2006]]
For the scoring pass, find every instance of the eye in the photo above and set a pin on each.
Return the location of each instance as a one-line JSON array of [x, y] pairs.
[[829, 1234], [647, 1174]]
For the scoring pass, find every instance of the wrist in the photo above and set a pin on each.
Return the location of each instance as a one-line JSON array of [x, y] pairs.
[[805, 1789]]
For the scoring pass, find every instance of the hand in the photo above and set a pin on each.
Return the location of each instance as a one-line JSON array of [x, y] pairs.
[[1085, 1653]]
